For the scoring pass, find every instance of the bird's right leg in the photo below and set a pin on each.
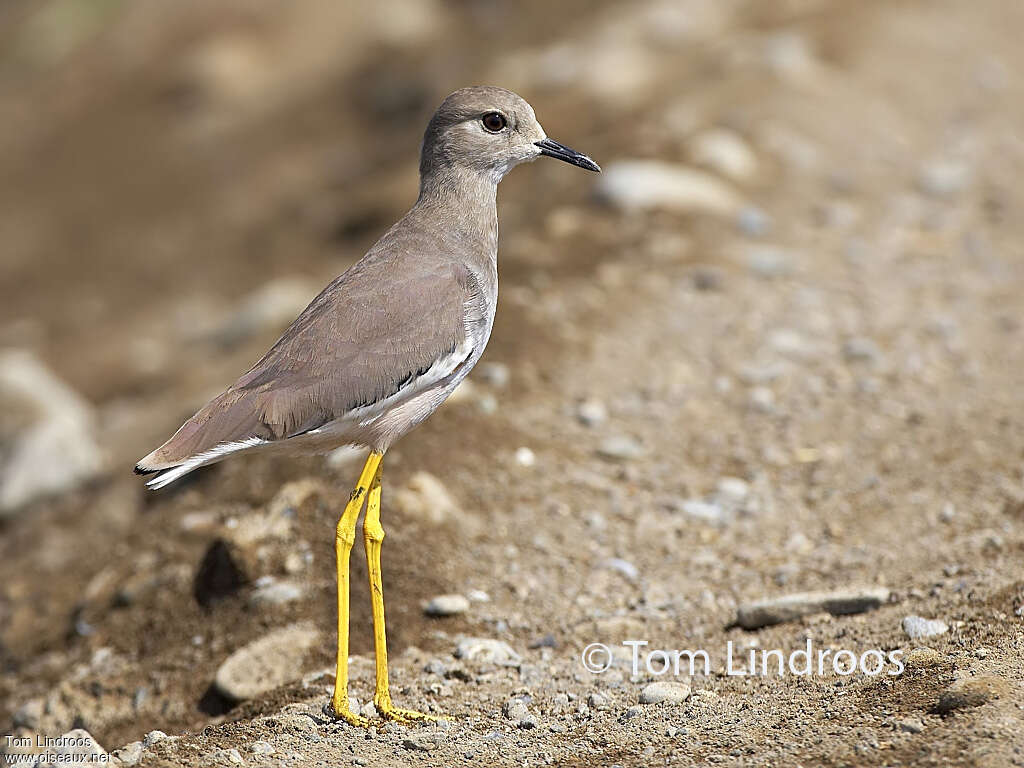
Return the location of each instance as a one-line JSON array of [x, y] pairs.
[[345, 537]]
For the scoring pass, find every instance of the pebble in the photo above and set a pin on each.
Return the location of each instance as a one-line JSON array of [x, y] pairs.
[[591, 413], [262, 748], [266, 663], [763, 613], [420, 744], [647, 184], [624, 567], [515, 709], [944, 178], [446, 605], [632, 712], [861, 349], [270, 591], [621, 448], [222, 756], [664, 691], [487, 650], [425, 497], [525, 457], [768, 261], [76, 747], [496, 375], [971, 692], [724, 152], [598, 701], [753, 222], [153, 737], [762, 399], [919, 628], [56, 449], [910, 725], [704, 511]]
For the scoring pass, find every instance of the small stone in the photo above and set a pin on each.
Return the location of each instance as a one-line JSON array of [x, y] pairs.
[[763, 613], [861, 349], [426, 497], [272, 592], [130, 754], [624, 567], [153, 737], [922, 658], [724, 152], [488, 651], [525, 457], [266, 663], [768, 261], [910, 725], [704, 511], [598, 701], [419, 744], [632, 712], [591, 413], [528, 723], [919, 628], [262, 748], [446, 605], [732, 490], [944, 179], [621, 448], [495, 374], [948, 512], [762, 399], [664, 691], [753, 222], [645, 184], [971, 692]]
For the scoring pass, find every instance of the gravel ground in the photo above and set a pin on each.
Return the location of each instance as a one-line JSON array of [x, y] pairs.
[[754, 388]]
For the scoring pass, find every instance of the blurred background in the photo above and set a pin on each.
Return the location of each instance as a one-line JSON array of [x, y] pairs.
[[801, 271]]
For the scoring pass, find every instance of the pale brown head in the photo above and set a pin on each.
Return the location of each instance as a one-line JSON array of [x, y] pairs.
[[488, 131]]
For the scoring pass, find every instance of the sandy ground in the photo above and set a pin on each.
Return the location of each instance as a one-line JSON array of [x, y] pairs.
[[807, 379]]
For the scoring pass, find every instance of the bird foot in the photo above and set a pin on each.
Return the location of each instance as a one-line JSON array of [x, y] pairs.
[[342, 711], [405, 716]]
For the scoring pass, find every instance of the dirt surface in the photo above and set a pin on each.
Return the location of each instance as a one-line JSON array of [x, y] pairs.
[[684, 407]]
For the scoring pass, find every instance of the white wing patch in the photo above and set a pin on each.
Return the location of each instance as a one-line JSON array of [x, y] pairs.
[[201, 459]]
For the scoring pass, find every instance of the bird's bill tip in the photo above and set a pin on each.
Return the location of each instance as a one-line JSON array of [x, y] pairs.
[[552, 148]]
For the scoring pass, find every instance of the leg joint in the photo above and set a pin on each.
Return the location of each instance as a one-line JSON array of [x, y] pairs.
[[373, 531]]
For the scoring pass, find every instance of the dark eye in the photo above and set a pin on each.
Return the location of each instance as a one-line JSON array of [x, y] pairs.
[[494, 122]]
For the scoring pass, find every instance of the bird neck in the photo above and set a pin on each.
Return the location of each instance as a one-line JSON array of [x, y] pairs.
[[465, 201]]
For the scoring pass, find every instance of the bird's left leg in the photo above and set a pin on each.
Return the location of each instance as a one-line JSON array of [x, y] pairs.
[[373, 535]]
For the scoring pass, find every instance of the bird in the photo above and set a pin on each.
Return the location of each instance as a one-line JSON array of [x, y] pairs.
[[383, 345]]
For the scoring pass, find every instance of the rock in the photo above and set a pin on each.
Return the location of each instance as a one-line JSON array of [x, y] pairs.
[[153, 737], [488, 651], [632, 712], [768, 261], [496, 375], [919, 628], [446, 605], [266, 663], [910, 725], [591, 413], [724, 152], [515, 709], [753, 222], [621, 448], [648, 184], [732, 491], [922, 658], [861, 349], [47, 433], [525, 457], [130, 754], [624, 567], [599, 701], [422, 743], [74, 748], [944, 178], [270, 592], [222, 757], [761, 399], [764, 613], [704, 511], [426, 497], [971, 692], [664, 691], [262, 748]]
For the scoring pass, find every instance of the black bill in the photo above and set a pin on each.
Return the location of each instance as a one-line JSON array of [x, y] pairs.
[[552, 148]]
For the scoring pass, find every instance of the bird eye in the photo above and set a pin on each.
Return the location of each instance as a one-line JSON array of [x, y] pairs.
[[494, 122]]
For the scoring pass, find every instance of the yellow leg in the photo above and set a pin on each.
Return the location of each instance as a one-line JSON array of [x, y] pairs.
[[345, 537], [373, 535]]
